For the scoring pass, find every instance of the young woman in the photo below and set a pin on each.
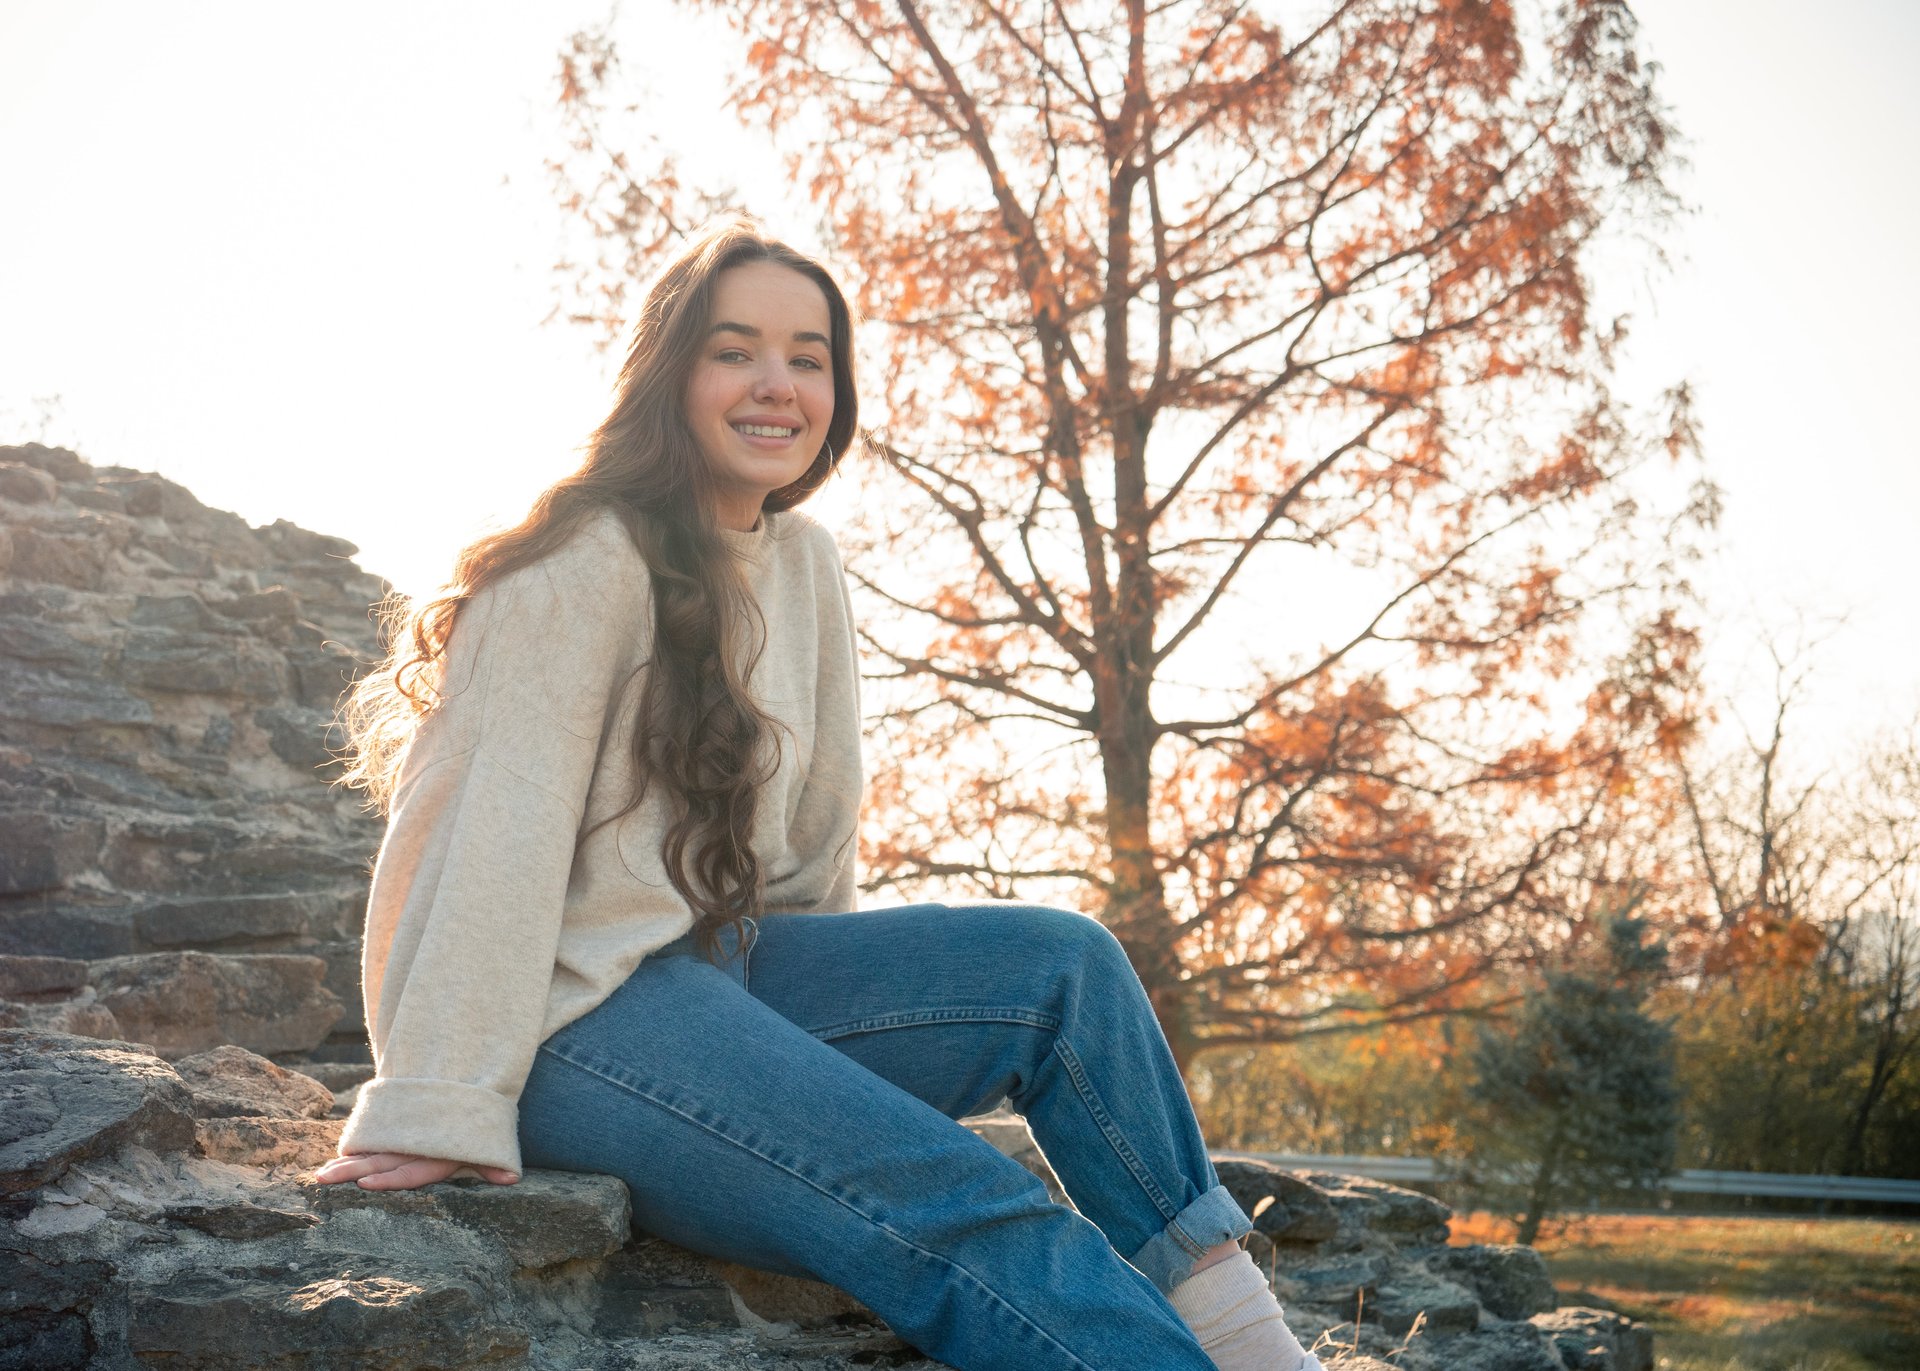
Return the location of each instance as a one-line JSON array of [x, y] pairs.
[[609, 924]]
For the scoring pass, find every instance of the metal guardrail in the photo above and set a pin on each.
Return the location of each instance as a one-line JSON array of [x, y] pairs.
[[1798, 1187], [1377, 1168], [1758, 1184]]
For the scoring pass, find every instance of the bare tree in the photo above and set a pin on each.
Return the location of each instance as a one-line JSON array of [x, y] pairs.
[[1257, 555]]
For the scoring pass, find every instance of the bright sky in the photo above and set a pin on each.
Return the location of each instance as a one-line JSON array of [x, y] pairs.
[[297, 259]]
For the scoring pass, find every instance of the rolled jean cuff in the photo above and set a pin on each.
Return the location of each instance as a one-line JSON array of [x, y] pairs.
[[1168, 1257]]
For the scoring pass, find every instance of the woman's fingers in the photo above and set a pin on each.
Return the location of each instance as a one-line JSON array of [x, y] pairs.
[[400, 1171], [352, 1168], [410, 1174]]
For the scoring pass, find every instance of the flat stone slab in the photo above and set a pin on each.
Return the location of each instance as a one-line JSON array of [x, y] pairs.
[[1427, 1303], [1511, 1281], [65, 1100], [304, 1143], [1383, 1208], [547, 1217], [231, 1082], [1512, 1347], [373, 1322], [28, 978], [1296, 1210], [1598, 1340], [188, 1002], [848, 1350], [80, 1017]]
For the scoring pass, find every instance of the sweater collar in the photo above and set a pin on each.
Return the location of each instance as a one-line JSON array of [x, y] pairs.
[[753, 543]]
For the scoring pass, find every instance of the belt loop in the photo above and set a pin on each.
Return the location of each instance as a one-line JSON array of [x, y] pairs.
[[746, 956]]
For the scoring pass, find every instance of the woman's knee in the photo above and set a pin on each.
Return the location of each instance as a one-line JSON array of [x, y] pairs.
[[1057, 942]]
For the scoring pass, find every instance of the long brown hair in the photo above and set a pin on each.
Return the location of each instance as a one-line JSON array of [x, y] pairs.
[[698, 732]]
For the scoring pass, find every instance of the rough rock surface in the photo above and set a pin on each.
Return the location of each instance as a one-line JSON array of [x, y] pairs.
[[122, 1243], [1283, 1207], [185, 1002], [136, 1229], [1512, 1282], [1597, 1340], [174, 870], [230, 1082], [64, 1100], [1385, 1283], [167, 679]]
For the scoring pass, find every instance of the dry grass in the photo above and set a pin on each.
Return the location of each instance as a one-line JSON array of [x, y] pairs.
[[1756, 1294]]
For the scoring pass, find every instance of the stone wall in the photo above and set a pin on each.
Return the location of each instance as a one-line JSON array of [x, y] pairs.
[[156, 1213], [170, 848]]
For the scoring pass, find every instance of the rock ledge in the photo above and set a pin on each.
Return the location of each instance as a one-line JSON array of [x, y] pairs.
[[143, 1222]]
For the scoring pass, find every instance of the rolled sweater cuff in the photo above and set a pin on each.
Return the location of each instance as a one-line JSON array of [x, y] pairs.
[[451, 1120]]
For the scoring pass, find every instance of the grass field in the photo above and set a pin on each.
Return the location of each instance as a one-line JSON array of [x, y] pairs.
[[1743, 1294]]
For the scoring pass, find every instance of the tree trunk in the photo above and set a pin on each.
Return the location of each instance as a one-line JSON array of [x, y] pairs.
[[1854, 1160], [1540, 1195], [1136, 911]]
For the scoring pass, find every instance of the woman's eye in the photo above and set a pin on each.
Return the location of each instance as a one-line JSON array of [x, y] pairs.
[[809, 362], [730, 355]]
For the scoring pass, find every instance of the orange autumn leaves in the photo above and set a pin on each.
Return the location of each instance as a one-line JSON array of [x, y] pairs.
[[1256, 554]]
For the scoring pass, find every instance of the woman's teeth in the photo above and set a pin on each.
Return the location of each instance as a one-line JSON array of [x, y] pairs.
[[766, 431]]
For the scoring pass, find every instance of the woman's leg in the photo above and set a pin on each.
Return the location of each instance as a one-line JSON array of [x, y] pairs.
[[963, 1006], [742, 1135]]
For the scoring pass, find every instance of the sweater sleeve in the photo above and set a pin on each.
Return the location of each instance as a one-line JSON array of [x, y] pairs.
[[846, 889], [469, 889]]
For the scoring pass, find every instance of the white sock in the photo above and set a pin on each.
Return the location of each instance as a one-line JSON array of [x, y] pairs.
[[1232, 1311]]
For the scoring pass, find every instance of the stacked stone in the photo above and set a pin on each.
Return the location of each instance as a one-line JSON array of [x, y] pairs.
[[1364, 1270], [174, 867], [165, 1212], [156, 1212]]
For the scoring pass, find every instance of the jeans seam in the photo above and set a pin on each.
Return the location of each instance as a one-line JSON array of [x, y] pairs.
[[864, 1217], [918, 1018], [1184, 1238], [1090, 1097]]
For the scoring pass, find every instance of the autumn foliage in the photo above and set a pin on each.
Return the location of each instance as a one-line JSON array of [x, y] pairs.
[[1791, 895], [1257, 554]]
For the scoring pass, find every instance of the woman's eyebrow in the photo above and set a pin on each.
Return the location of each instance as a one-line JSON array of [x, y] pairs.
[[749, 331]]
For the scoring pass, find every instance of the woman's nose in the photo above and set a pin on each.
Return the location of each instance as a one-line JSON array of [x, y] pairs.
[[773, 383]]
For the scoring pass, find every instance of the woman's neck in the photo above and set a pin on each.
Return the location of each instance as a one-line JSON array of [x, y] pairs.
[[739, 516]]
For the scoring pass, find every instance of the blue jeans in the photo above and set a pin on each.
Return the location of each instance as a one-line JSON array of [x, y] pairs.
[[794, 1107]]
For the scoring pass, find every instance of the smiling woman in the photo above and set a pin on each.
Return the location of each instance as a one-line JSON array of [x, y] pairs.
[[761, 397], [621, 757]]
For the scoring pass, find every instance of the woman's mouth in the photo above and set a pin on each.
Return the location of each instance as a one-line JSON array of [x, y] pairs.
[[775, 431]]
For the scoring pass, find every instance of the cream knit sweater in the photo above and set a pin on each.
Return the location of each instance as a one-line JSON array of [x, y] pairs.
[[491, 923]]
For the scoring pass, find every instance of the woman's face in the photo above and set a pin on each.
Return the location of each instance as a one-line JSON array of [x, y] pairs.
[[760, 396]]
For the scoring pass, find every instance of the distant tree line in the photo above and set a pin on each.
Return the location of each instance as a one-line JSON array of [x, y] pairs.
[[1785, 1007]]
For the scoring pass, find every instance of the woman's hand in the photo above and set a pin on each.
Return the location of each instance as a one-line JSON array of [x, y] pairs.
[[402, 1171]]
